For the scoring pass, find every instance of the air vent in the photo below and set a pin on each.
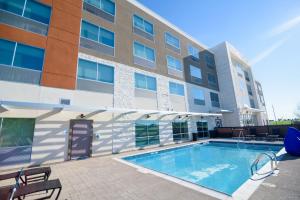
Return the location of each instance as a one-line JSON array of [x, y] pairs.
[[65, 101]]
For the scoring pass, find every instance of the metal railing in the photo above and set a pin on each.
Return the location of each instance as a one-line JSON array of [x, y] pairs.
[[271, 156]]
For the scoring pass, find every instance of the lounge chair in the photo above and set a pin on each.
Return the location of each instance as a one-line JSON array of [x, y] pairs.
[[20, 192], [28, 175]]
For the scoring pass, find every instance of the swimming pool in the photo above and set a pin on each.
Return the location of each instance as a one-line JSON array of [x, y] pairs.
[[220, 166]]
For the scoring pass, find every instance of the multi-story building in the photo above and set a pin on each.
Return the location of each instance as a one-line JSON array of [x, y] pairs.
[[240, 94], [81, 78]]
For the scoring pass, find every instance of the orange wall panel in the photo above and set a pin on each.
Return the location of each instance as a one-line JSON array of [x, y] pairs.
[[25, 37], [61, 56]]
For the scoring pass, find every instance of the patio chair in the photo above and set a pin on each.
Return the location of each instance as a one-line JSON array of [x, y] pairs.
[[274, 136], [18, 191], [28, 175]]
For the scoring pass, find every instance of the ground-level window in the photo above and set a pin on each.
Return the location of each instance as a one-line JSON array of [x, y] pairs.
[[180, 131], [16, 135], [146, 133], [202, 129]]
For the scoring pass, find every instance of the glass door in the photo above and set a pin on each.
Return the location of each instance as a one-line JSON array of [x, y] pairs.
[[202, 129]]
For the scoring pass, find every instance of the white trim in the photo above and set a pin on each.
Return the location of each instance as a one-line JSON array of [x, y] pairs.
[[161, 19], [45, 106]]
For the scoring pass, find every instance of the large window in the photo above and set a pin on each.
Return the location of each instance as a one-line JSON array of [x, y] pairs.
[[174, 63], [176, 88], [196, 73], [143, 24], [172, 40], [107, 6], [212, 80], [16, 132], [95, 71], [31, 9], [193, 51], [249, 89], [98, 34], [145, 82], [146, 133], [20, 55], [210, 61], [252, 103], [214, 97], [202, 129], [180, 131], [143, 51], [198, 96]]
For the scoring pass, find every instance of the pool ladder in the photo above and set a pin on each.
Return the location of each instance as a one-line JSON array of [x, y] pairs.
[[239, 138], [271, 155]]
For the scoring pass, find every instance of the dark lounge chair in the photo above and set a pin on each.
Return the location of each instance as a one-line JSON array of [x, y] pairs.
[[20, 192], [29, 175], [38, 179]]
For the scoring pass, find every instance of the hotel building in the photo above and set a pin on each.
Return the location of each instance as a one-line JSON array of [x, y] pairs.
[[93, 77]]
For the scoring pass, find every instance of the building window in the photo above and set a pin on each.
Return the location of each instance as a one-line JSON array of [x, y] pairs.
[[202, 129], [146, 133], [143, 24], [180, 131], [247, 76], [107, 6], [249, 90], [196, 74], [212, 80], [198, 96], [143, 52], [145, 82], [95, 71], [16, 132], [252, 103], [174, 63], [31, 9], [214, 97], [97, 34], [20, 55], [210, 61], [176, 88], [172, 40], [193, 51]]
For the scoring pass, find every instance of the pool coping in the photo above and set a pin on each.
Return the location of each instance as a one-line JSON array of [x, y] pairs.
[[242, 193]]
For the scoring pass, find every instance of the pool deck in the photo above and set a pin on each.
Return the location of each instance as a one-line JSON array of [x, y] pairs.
[[106, 178]]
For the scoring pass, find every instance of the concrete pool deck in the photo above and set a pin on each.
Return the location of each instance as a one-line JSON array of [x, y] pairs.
[[106, 178]]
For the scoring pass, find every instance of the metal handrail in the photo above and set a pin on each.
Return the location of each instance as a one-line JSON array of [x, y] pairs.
[[240, 134], [260, 156]]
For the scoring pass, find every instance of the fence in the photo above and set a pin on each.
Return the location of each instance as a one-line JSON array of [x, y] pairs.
[[229, 132]]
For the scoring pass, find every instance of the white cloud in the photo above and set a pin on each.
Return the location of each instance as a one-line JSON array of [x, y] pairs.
[[267, 51], [284, 27]]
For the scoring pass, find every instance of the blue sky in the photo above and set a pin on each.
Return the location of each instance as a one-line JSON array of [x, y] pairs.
[[266, 32]]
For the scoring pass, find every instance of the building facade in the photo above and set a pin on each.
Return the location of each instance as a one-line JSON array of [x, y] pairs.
[[85, 78], [241, 95]]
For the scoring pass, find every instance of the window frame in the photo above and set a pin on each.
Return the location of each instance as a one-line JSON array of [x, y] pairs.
[[170, 34], [193, 48], [23, 12], [212, 101], [172, 67], [14, 53], [115, 7], [176, 85], [98, 33], [97, 72], [139, 43], [144, 20], [193, 66], [146, 83], [194, 98]]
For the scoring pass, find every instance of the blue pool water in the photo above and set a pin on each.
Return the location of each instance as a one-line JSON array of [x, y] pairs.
[[220, 166]]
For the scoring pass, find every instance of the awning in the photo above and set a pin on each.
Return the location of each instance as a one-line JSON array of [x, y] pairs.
[[253, 110], [6, 105]]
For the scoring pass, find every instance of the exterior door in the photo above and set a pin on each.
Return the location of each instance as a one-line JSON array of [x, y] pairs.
[[80, 139]]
